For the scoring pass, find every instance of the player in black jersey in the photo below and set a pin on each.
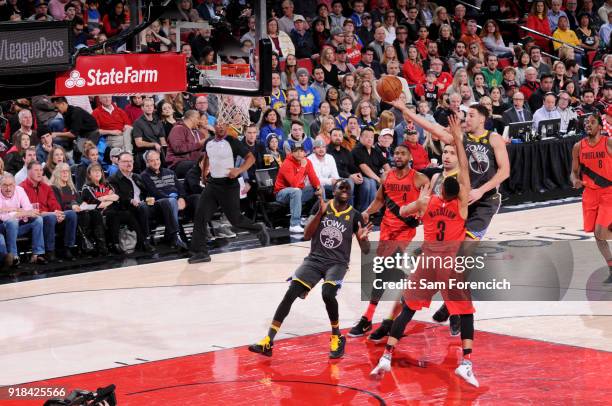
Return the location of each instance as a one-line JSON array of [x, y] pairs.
[[489, 166], [330, 227]]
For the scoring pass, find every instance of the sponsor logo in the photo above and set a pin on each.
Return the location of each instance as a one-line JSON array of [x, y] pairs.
[[99, 77]]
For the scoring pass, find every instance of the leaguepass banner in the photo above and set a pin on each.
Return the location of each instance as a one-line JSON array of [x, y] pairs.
[[124, 74]]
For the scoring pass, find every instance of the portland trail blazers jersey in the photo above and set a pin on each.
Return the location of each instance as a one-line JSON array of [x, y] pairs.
[[332, 240], [443, 226], [481, 158], [595, 164], [398, 192]]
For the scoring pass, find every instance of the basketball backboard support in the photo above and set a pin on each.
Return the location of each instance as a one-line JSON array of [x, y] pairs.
[[240, 67]]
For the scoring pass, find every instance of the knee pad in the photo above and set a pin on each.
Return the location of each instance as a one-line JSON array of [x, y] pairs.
[[467, 326], [296, 289], [329, 291]]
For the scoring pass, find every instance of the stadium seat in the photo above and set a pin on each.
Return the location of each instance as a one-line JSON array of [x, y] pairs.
[[273, 213]]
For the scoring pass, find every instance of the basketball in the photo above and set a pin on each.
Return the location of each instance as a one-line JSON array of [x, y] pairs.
[[389, 88]]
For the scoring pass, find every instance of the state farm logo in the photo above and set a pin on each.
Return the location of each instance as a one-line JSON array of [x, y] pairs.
[[75, 80], [100, 77]]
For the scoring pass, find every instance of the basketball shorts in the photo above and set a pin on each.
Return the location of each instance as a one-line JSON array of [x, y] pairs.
[[597, 208], [480, 215], [312, 271]]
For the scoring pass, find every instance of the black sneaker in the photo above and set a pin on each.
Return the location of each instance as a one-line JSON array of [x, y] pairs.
[[263, 235], [455, 325], [362, 327], [441, 315], [264, 347], [199, 257], [382, 331], [336, 346]]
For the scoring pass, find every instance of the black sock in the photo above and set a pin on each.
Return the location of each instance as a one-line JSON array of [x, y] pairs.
[[467, 353], [335, 328], [389, 349], [272, 331]]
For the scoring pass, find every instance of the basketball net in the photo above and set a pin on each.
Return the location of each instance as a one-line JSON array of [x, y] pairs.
[[234, 110]]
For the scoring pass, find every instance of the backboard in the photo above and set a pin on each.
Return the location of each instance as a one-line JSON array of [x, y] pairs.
[[241, 67]]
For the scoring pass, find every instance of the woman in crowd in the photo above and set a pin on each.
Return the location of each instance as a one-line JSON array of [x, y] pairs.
[[572, 91], [257, 105], [330, 70], [14, 156], [99, 192], [413, 67], [332, 97], [176, 101], [386, 120], [323, 15], [497, 103], [208, 57], [320, 34], [475, 52], [289, 76], [365, 114], [90, 222], [558, 70], [351, 133], [479, 89], [389, 55], [433, 147], [446, 42], [168, 117], [474, 66], [271, 123], [422, 42], [276, 155], [390, 24], [328, 124], [523, 63], [493, 40], [117, 20], [349, 87], [294, 113], [275, 63], [366, 93], [538, 21], [56, 157], [440, 18], [589, 39], [460, 78], [281, 42]]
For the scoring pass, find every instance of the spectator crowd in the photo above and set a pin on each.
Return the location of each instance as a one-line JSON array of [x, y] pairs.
[[79, 169]]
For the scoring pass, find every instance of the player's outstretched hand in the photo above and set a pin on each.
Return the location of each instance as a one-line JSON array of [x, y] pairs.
[[363, 232], [399, 104], [454, 127]]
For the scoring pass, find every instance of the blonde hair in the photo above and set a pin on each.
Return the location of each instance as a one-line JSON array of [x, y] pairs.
[[386, 119], [55, 176]]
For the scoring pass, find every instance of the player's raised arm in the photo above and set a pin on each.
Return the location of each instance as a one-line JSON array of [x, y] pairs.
[[436, 130], [464, 174]]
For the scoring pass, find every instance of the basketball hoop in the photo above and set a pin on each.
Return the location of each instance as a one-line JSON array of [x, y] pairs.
[[233, 110]]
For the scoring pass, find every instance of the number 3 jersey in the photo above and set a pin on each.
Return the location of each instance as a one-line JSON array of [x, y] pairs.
[[332, 240], [442, 222]]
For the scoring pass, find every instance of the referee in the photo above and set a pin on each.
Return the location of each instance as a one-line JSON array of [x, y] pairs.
[[222, 190]]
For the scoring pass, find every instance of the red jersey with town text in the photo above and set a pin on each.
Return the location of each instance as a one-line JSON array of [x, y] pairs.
[[596, 159]]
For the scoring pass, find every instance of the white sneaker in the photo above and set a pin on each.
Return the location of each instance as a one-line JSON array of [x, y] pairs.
[[296, 229], [384, 365], [303, 221], [225, 232], [464, 370]]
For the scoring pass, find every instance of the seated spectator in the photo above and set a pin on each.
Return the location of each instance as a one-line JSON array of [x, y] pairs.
[[80, 126], [531, 82], [294, 113], [443, 79], [97, 191], [429, 92], [493, 76], [167, 116], [114, 124], [367, 61], [90, 155], [383, 144], [547, 112], [201, 105], [567, 113], [44, 147], [271, 123], [18, 219], [413, 68], [458, 59], [346, 111], [420, 158], [148, 132], [89, 222], [169, 194], [15, 155], [274, 155], [308, 96], [536, 61], [185, 144], [193, 179], [134, 108], [29, 156], [371, 164], [302, 38], [297, 136], [56, 156], [132, 191], [537, 98], [493, 41], [565, 34], [26, 126], [290, 187], [588, 102], [538, 21], [52, 214], [345, 164], [555, 13], [324, 166], [114, 157], [517, 113]]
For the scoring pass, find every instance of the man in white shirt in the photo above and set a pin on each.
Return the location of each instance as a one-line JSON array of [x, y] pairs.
[[22, 174], [566, 112], [285, 23], [547, 112], [324, 166]]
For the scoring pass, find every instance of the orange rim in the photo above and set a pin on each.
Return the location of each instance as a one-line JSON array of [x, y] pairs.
[[230, 69]]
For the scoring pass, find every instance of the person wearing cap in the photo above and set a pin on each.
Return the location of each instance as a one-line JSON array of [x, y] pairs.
[[383, 144], [325, 166], [290, 186], [41, 9], [366, 30], [336, 37], [302, 38], [308, 97], [343, 62], [114, 157]]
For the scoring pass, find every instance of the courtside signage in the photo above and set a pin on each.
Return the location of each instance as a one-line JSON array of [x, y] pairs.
[[34, 47], [124, 74]]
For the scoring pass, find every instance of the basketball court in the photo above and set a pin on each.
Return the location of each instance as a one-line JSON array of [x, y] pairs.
[[172, 333]]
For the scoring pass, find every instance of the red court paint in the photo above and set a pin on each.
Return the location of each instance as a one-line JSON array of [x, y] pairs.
[[511, 370]]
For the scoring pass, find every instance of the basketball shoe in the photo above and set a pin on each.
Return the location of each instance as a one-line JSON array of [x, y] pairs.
[[336, 346], [382, 331], [263, 347], [362, 327], [464, 370]]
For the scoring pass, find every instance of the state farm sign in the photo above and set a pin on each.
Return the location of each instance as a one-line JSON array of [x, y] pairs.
[[124, 74]]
